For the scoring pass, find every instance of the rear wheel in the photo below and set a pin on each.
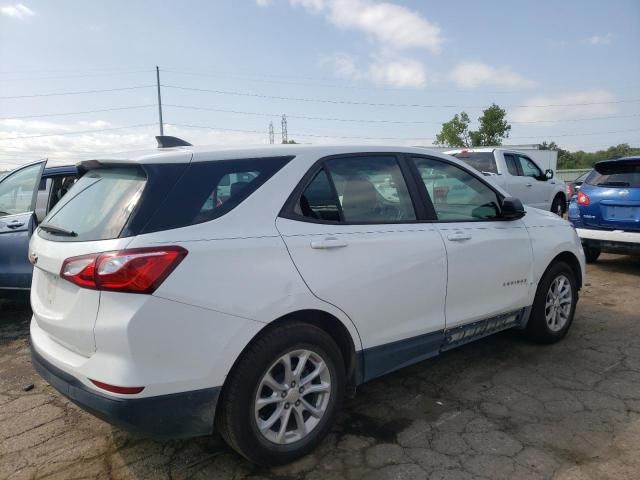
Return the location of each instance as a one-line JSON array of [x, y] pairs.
[[554, 305], [591, 254], [558, 206], [281, 398]]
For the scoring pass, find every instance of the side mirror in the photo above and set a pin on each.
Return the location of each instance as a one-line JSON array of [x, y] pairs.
[[512, 209], [548, 173]]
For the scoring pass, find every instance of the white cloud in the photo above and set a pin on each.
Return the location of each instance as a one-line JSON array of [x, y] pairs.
[[586, 103], [17, 10], [475, 74], [68, 149], [342, 65], [398, 73], [263, 3], [600, 39], [391, 26]]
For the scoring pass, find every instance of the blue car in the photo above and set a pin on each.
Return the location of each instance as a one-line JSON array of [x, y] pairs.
[[606, 210], [26, 195]]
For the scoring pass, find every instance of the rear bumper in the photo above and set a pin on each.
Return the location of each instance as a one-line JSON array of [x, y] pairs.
[[178, 415], [614, 240]]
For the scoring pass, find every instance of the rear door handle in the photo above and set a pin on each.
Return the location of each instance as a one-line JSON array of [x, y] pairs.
[[15, 224], [529, 184], [329, 242], [459, 236]]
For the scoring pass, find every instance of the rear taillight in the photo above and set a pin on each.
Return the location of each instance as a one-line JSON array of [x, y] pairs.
[[569, 190], [583, 198], [137, 270]]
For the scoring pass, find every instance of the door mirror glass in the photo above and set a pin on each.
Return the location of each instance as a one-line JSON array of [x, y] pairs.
[[548, 174], [18, 190], [512, 208]]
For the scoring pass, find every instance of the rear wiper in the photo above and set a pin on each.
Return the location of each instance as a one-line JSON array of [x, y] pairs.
[[613, 184], [47, 227]]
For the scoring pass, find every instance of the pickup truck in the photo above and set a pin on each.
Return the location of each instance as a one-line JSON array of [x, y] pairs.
[[519, 175]]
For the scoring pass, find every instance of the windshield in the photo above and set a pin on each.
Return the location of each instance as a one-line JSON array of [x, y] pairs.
[[616, 174], [482, 161], [97, 207]]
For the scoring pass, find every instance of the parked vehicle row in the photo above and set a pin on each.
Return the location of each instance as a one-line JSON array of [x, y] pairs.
[[606, 209], [170, 300], [517, 173]]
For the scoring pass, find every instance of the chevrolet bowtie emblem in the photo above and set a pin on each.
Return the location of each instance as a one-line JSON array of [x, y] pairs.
[[33, 258]]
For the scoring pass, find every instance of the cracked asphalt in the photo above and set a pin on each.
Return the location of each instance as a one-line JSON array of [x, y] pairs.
[[500, 408]]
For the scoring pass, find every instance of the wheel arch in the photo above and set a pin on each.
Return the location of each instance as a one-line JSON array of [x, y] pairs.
[[570, 259], [331, 325]]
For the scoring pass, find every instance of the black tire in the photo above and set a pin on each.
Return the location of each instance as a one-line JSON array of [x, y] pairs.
[[537, 328], [235, 419], [559, 205], [591, 254]]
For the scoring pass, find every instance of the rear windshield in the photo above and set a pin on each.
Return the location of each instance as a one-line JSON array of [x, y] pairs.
[[482, 161], [97, 207], [616, 174]]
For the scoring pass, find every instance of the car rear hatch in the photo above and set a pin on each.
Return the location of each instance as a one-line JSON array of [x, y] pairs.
[[90, 218], [611, 195]]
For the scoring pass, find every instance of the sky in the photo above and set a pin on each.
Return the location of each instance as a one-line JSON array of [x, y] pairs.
[[77, 78]]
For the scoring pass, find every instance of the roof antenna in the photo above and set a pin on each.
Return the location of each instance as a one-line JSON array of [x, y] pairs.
[[167, 141]]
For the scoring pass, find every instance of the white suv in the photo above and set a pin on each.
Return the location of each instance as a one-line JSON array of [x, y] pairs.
[[165, 309]]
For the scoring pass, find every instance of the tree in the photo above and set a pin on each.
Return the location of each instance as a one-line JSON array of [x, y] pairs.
[[582, 159], [455, 132], [493, 129], [290, 141]]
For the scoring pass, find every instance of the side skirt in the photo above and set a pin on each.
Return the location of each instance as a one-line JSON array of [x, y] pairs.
[[377, 361]]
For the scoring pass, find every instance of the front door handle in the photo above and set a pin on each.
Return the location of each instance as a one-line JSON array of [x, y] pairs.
[[15, 224], [459, 236], [529, 184], [329, 242]]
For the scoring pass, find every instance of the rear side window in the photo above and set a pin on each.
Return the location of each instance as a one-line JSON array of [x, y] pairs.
[[616, 174], [512, 164], [358, 189], [482, 161], [98, 205], [208, 190]]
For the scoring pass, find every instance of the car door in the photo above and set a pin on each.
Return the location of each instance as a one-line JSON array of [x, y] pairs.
[[358, 241], [18, 192], [489, 259], [540, 189], [518, 185]]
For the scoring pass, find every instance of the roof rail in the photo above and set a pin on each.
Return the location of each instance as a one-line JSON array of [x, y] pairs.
[[167, 141]]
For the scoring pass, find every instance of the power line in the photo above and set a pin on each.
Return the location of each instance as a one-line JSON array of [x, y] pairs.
[[79, 92], [132, 107], [76, 132], [84, 75], [373, 104], [370, 121]]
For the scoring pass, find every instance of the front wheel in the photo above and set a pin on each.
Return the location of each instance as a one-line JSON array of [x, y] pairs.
[[554, 305], [281, 398]]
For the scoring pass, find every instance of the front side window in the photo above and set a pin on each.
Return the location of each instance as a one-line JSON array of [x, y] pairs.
[[361, 189], [529, 169], [16, 190], [455, 193]]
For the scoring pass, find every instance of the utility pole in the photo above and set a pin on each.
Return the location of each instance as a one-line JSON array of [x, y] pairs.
[[271, 134], [285, 137], [159, 101]]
